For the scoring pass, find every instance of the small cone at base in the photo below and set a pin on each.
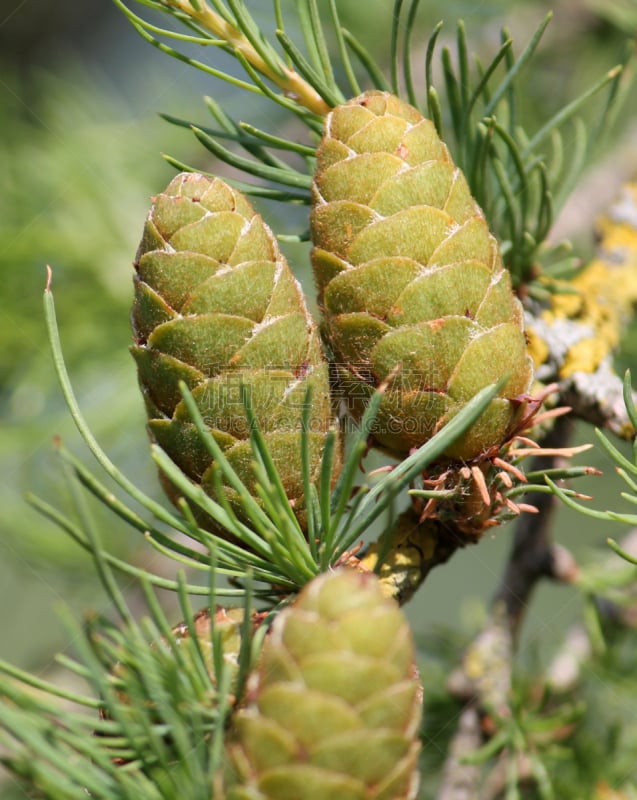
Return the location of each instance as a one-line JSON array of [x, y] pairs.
[[334, 706]]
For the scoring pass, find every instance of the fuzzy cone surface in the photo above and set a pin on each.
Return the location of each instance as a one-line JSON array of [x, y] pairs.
[[217, 307], [334, 707], [411, 281]]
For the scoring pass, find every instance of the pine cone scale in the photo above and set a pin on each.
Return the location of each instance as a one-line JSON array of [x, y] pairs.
[[175, 278], [160, 374]]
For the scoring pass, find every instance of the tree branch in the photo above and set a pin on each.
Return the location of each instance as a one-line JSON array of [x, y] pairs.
[[573, 336], [534, 555], [412, 549], [461, 779], [485, 676]]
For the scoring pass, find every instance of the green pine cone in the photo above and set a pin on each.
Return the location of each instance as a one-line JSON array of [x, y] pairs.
[[139, 678], [227, 623], [335, 703], [411, 282], [228, 626], [217, 307]]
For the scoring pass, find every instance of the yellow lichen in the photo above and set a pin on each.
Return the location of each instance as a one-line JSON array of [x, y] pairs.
[[412, 548], [537, 347], [600, 298]]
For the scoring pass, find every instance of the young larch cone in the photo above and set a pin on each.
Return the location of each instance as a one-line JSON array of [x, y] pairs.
[[334, 706], [217, 307], [228, 626], [411, 283]]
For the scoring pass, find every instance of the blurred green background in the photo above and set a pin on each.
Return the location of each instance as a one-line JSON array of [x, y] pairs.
[[80, 144]]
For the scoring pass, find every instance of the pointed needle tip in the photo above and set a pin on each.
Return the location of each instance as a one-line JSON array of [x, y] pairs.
[[49, 278]]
